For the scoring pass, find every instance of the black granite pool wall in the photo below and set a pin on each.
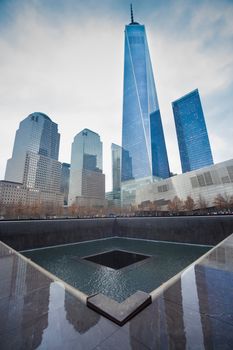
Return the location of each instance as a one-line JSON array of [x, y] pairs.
[[31, 234], [208, 230]]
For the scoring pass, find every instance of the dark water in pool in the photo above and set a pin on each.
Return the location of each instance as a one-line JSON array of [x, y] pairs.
[[166, 260], [117, 259]]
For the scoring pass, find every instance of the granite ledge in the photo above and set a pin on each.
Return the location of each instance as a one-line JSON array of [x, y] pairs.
[[120, 313]]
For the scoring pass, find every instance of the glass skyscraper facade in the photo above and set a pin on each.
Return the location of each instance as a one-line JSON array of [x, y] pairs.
[[144, 151], [86, 178], [193, 140], [37, 136], [65, 181], [116, 167], [34, 162]]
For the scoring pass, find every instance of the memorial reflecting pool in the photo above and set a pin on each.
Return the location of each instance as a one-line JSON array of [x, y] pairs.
[[116, 267]]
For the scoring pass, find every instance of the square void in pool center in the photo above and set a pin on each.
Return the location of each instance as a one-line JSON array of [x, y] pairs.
[[116, 259]]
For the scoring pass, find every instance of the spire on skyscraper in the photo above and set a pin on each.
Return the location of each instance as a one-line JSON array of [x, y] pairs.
[[132, 19], [131, 10], [144, 153]]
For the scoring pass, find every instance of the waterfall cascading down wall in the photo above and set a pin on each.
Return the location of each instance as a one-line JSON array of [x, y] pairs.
[[22, 235]]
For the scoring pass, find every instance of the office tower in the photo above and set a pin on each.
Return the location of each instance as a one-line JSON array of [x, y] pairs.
[[34, 159], [144, 151], [87, 182], [193, 141], [38, 135], [116, 167], [65, 180], [114, 197]]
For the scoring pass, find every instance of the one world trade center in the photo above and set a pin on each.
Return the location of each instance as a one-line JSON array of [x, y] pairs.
[[144, 153]]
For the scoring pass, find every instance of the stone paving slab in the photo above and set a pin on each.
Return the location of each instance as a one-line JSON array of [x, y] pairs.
[[119, 313]]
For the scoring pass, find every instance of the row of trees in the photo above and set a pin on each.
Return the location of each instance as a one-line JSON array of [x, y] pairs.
[[34, 210], [221, 202], [39, 210]]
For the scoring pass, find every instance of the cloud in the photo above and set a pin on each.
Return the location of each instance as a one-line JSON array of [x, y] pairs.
[[186, 57], [72, 72], [67, 61]]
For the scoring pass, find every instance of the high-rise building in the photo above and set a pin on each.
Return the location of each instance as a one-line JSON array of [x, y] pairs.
[[116, 167], [38, 135], [34, 162], [144, 153], [114, 197], [193, 140], [87, 182], [65, 181]]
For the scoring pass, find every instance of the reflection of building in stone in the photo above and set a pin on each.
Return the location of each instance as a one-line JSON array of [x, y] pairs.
[[82, 318], [204, 307], [26, 297], [213, 286], [192, 312], [40, 299], [172, 316], [87, 182], [190, 299], [202, 184], [157, 332]]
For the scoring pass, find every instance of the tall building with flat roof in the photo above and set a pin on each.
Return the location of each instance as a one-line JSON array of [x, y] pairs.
[[87, 182], [116, 167], [114, 197], [34, 162], [65, 181], [193, 140], [37, 134], [144, 153]]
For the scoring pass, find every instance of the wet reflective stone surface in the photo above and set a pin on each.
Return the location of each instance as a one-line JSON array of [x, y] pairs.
[[194, 312]]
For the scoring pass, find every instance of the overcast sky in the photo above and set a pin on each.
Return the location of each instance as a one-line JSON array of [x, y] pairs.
[[65, 58]]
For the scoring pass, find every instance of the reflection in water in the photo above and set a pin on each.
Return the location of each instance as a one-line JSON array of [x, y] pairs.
[[215, 290], [188, 314], [152, 326], [193, 313], [188, 283], [80, 316], [173, 316], [204, 307], [39, 313], [68, 263], [37, 304], [23, 302], [51, 335], [66, 317]]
